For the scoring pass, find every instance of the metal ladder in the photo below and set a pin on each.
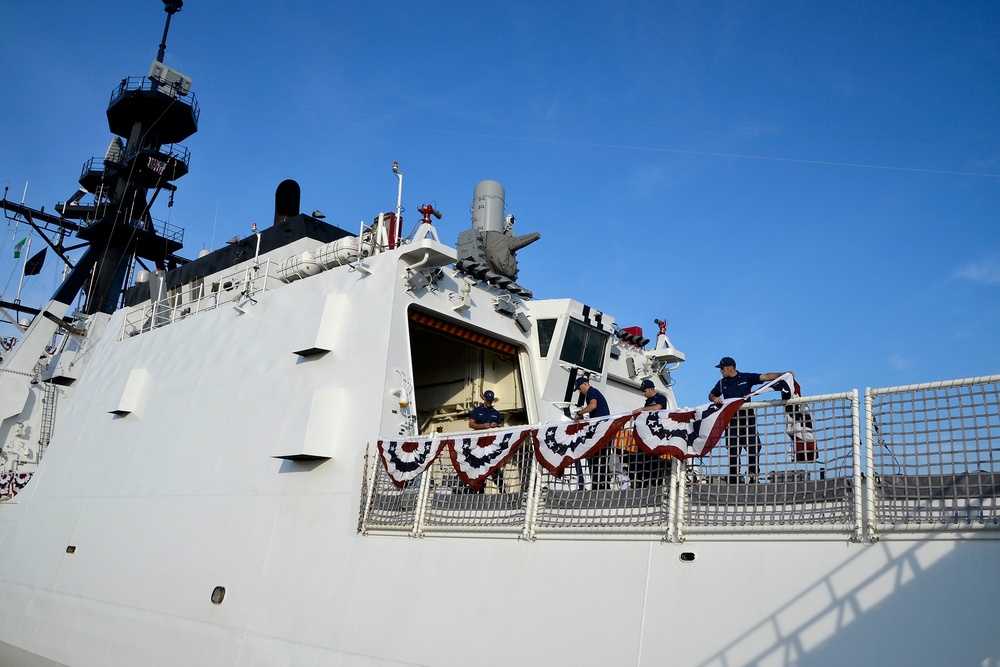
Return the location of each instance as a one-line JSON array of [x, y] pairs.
[[49, 399]]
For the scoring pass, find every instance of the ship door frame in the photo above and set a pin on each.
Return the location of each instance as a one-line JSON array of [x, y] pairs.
[[483, 356]]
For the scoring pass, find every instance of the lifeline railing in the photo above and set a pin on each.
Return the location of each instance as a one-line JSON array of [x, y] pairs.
[[938, 470], [935, 453], [197, 298]]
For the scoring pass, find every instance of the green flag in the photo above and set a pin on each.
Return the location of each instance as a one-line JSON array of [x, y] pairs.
[[19, 247]]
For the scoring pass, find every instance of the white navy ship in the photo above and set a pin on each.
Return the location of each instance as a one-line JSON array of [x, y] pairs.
[[263, 456]]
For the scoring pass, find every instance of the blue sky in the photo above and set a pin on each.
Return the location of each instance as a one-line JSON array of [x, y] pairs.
[[804, 186]]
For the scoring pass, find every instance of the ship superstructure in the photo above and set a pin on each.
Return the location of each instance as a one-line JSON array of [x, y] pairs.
[[195, 468]]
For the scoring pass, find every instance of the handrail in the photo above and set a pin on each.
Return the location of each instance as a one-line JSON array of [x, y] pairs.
[[196, 299], [828, 493], [139, 83]]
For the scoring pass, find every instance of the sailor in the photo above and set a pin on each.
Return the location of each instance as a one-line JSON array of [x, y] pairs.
[[654, 399], [595, 406], [483, 417], [742, 430], [648, 470]]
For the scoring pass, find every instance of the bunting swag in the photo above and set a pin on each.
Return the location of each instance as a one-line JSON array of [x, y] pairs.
[[11, 482], [476, 456], [684, 433], [694, 432], [798, 423], [404, 460], [558, 445]]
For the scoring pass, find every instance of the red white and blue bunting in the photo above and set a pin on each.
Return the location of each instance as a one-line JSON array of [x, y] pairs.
[[684, 433], [798, 424], [558, 445], [692, 432], [405, 459], [12, 482], [476, 456]]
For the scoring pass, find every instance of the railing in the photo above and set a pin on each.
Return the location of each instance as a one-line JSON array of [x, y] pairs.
[[806, 476], [164, 229], [143, 83], [234, 287], [935, 453], [937, 469], [621, 490], [97, 165], [169, 151]]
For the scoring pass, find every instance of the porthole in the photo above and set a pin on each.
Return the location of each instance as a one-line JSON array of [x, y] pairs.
[[218, 595], [688, 557]]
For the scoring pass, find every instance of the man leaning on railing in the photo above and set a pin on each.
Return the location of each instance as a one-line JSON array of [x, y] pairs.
[[742, 430]]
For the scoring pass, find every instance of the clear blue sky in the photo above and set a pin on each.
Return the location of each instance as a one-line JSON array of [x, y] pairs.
[[800, 185]]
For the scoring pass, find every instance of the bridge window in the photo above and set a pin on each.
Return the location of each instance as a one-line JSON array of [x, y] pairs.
[[584, 346], [545, 330]]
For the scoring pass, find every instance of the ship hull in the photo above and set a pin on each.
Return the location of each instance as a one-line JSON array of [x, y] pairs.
[[201, 501], [356, 600]]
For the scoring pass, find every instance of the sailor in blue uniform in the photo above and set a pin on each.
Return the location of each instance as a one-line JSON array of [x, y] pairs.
[[483, 417], [742, 429], [654, 399], [595, 405], [648, 470]]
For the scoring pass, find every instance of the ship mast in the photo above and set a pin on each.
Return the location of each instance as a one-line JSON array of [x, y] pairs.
[[171, 8], [148, 115]]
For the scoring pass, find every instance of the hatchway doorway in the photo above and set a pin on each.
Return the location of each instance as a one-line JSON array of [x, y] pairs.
[[453, 366]]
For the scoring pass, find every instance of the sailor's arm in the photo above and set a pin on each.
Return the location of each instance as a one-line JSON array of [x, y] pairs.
[[767, 377], [591, 406], [648, 408]]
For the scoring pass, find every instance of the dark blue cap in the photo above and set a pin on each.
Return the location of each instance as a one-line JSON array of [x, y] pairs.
[[580, 381], [727, 361], [647, 384], [488, 395]]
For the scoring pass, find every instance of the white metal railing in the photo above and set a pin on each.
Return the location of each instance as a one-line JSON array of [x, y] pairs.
[[929, 461], [801, 473], [624, 492], [236, 286], [934, 456]]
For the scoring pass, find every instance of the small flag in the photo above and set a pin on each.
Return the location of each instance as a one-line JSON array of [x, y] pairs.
[[34, 264], [157, 165], [19, 247]]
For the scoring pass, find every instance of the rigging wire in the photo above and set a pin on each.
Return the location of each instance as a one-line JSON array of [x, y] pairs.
[[657, 149], [613, 123]]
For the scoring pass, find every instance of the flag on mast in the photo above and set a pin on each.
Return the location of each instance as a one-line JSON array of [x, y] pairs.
[[19, 247], [34, 264]]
